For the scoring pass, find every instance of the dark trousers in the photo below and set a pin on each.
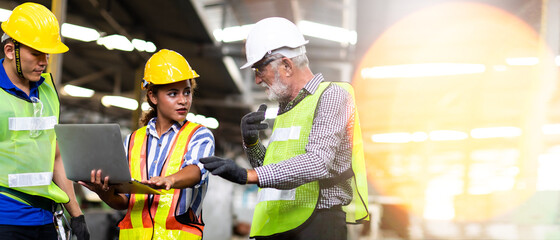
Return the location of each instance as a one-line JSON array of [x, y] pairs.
[[41, 232], [323, 225]]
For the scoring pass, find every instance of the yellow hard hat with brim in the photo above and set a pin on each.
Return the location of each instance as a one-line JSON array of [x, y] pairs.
[[35, 26], [167, 66]]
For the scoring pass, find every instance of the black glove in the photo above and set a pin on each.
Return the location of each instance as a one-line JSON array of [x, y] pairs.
[[225, 168], [79, 227], [251, 124]]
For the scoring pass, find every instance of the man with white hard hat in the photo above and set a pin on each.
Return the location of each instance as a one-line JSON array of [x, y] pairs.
[[313, 167]]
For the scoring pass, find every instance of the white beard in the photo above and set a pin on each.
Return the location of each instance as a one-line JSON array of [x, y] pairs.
[[277, 91]]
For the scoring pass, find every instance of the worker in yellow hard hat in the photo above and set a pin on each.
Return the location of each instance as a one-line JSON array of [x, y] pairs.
[[32, 178], [164, 154]]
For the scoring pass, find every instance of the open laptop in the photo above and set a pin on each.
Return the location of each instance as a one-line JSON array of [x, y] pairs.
[[85, 147]]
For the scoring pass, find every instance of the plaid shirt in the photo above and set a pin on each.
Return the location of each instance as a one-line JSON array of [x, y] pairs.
[[328, 151]]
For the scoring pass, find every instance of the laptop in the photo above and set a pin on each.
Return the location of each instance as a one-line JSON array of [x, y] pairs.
[[85, 147]]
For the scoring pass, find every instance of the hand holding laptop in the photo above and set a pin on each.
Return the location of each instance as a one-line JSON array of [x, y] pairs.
[[98, 184], [102, 185]]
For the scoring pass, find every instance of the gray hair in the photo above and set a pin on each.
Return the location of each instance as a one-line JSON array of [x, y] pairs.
[[5, 37], [301, 61]]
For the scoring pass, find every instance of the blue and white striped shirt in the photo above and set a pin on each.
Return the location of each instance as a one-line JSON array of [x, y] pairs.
[[201, 145]]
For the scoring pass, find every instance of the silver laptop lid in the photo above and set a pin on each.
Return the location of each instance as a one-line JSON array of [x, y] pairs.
[[85, 147]]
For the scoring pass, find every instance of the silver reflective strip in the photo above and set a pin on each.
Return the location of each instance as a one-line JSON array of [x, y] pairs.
[[30, 179], [31, 123], [272, 194], [285, 134]]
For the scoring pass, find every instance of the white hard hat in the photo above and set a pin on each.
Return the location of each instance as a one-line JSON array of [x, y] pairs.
[[271, 34]]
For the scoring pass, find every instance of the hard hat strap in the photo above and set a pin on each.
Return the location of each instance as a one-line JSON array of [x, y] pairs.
[[17, 57]]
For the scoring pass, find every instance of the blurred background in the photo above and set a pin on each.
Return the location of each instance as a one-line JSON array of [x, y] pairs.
[[458, 101]]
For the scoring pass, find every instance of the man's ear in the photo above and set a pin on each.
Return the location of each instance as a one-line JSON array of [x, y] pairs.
[[288, 66], [9, 50]]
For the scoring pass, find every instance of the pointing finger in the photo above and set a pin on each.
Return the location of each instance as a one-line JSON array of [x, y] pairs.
[[262, 108]]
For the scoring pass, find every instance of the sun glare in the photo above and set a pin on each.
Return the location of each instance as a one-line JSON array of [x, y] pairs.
[[451, 101]]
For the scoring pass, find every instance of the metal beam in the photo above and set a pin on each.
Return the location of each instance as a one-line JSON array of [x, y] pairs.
[[116, 26], [228, 62], [58, 7], [224, 103], [137, 95], [88, 78]]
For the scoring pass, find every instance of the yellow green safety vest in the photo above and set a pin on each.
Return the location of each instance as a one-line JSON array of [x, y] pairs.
[[280, 211], [28, 143], [144, 219]]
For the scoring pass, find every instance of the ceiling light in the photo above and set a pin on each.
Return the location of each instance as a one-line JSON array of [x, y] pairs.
[[79, 33], [327, 32], [150, 47], [551, 129], [500, 68], [76, 91], [397, 137], [145, 106], [495, 132], [86, 34], [119, 101], [139, 44], [208, 122], [116, 41], [312, 29], [211, 123], [447, 135], [419, 136], [4, 14], [524, 61], [422, 70], [143, 46], [232, 34]]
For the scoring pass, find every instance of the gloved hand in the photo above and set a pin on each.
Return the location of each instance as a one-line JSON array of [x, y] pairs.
[[79, 227], [225, 168], [251, 124]]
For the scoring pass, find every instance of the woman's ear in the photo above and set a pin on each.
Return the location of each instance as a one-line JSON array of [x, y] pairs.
[[152, 96]]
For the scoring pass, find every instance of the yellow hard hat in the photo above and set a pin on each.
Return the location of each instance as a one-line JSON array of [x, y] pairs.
[[35, 26], [167, 66]]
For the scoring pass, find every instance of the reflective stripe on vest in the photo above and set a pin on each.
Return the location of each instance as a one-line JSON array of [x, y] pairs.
[[280, 211], [158, 218], [28, 142]]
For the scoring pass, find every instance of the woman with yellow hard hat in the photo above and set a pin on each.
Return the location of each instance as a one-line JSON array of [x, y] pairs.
[[164, 154], [32, 177]]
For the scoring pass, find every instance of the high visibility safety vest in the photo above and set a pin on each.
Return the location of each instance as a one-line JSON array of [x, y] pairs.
[[146, 218], [28, 143], [280, 211]]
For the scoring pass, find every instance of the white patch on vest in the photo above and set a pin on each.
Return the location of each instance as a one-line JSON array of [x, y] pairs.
[[30, 179], [31, 123], [272, 194], [285, 134]]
